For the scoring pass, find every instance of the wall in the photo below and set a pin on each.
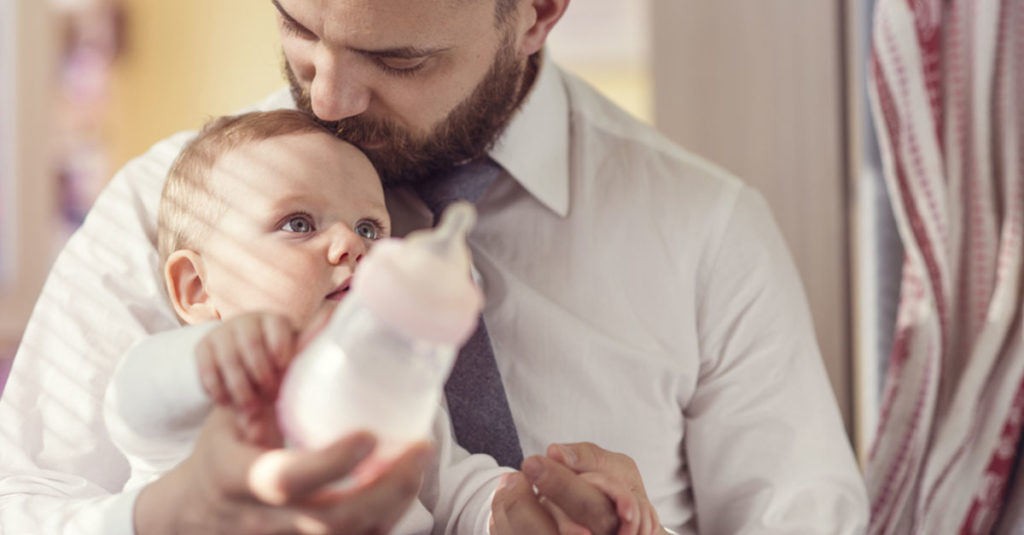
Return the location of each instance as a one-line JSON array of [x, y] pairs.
[[186, 61], [607, 43], [35, 187], [759, 88]]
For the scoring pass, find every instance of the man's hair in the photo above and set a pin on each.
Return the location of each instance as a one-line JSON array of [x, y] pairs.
[[188, 206]]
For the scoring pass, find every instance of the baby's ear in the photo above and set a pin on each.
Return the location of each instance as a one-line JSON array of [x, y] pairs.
[[183, 274]]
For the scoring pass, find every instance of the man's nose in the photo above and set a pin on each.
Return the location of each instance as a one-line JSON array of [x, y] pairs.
[[336, 92], [346, 247]]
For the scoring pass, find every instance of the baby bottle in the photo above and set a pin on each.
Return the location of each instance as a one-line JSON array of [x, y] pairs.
[[381, 362]]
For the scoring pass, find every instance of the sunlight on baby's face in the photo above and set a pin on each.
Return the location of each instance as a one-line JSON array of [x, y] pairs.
[[301, 211]]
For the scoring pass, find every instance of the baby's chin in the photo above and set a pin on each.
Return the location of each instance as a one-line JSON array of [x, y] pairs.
[[315, 320], [329, 306]]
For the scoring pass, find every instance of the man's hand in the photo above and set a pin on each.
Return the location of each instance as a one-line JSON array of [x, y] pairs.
[[229, 485], [591, 490]]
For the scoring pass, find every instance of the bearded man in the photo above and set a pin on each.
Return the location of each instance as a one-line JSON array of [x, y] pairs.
[[656, 355]]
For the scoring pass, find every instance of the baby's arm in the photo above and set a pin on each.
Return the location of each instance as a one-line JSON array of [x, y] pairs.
[[158, 396], [154, 404]]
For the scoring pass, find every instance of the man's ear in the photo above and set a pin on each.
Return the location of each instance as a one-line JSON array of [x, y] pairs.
[[535, 20], [183, 274]]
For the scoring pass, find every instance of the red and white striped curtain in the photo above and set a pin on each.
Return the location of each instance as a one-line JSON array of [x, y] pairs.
[[947, 92]]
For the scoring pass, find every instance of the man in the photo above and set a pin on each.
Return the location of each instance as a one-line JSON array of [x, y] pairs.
[[642, 308]]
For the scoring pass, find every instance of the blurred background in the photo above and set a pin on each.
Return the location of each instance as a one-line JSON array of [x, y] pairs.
[[772, 90]]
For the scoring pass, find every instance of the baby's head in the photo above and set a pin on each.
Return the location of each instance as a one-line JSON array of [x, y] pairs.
[[266, 211]]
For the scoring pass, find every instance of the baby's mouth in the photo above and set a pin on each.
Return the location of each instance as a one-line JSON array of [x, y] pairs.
[[340, 291]]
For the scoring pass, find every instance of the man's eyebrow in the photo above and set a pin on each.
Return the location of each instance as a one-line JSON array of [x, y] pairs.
[[284, 14], [398, 52]]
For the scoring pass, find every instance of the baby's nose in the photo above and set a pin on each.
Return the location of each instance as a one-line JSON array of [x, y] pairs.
[[346, 247]]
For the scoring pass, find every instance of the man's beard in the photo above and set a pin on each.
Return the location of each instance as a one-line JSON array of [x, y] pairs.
[[468, 132]]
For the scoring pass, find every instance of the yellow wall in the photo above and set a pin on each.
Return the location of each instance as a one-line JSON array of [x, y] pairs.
[[629, 86], [186, 61]]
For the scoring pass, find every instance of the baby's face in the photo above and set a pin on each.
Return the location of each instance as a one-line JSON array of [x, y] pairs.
[[302, 210]]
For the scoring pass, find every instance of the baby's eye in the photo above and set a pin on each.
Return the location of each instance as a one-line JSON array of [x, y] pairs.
[[367, 229], [299, 224]]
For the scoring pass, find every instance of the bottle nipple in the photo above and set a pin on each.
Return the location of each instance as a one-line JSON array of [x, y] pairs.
[[448, 239]]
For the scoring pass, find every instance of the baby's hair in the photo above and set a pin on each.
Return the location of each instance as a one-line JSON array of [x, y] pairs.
[[188, 207]]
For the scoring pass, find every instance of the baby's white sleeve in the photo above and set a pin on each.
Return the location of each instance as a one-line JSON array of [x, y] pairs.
[[459, 487], [155, 403]]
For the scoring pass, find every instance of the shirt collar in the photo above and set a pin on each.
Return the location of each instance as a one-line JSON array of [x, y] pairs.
[[534, 148]]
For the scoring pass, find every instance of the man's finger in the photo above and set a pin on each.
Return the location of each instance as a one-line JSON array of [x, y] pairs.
[[565, 524], [237, 487], [585, 457], [283, 476], [582, 501], [516, 509], [376, 502], [631, 522]]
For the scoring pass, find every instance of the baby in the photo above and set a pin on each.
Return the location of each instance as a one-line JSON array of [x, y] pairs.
[[263, 220]]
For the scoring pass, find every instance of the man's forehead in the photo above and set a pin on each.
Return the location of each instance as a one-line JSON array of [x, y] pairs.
[[381, 15]]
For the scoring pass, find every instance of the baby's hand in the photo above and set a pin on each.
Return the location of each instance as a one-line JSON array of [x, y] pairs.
[[244, 358]]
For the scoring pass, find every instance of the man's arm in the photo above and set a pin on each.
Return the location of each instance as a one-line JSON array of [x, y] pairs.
[[764, 442], [59, 471], [765, 445]]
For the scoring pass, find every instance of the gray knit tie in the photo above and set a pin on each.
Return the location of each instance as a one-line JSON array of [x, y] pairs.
[[476, 396]]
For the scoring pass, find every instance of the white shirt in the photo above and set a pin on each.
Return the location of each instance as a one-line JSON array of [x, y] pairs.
[[637, 297]]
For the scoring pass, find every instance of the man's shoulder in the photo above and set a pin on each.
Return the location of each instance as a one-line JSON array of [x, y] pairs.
[[621, 153], [597, 121]]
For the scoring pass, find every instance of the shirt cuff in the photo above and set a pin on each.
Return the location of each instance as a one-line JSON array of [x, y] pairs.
[[119, 518]]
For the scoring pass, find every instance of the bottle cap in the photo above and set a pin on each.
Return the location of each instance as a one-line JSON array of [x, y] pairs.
[[421, 285]]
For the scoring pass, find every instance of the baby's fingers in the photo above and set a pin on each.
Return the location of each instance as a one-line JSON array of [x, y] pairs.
[[232, 371], [279, 339], [209, 375], [253, 355]]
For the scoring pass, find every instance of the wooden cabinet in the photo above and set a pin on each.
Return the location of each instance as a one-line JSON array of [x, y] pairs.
[[760, 88]]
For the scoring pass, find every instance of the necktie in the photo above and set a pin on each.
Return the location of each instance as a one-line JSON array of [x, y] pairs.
[[476, 397]]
